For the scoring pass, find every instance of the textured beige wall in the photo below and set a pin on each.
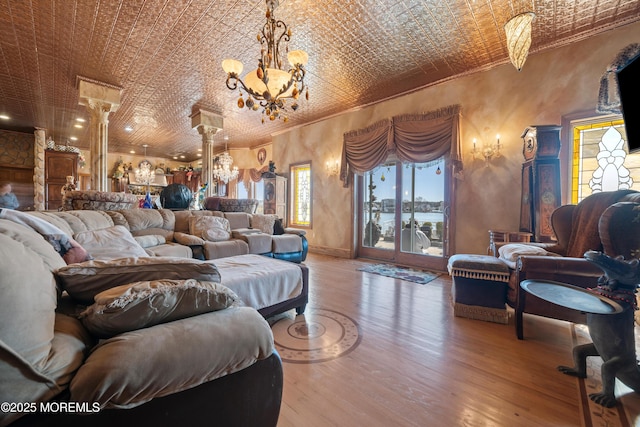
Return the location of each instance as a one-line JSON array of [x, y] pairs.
[[552, 84]]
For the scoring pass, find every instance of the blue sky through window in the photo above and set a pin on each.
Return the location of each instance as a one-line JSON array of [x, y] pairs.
[[429, 184]]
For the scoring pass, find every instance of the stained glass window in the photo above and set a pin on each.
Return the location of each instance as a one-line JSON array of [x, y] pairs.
[[601, 161], [301, 194]]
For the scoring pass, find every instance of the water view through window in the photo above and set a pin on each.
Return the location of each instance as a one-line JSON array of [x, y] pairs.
[[411, 216]]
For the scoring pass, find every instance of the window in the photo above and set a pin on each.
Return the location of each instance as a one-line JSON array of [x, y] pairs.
[[301, 194], [600, 159]]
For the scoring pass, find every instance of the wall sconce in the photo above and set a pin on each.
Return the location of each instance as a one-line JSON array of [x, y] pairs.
[[332, 167], [487, 151]]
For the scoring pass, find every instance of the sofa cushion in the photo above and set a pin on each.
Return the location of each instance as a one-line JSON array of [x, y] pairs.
[[85, 280], [183, 217], [211, 228], [110, 243], [215, 250], [212, 203], [259, 243], [150, 240], [260, 281], [134, 367], [26, 382], [27, 291], [286, 243], [264, 223], [238, 220], [142, 304], [170, 250]]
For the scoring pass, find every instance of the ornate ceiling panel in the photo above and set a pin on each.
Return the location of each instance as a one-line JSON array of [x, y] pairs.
[[166, 56]]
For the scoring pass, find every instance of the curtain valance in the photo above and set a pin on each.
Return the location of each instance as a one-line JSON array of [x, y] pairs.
[[414, 138]]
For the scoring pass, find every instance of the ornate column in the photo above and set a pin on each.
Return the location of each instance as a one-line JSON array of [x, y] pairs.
[[100, 100], [208, 124], [38, 171]]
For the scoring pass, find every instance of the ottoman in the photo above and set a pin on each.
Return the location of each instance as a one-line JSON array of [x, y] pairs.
[[479, 287]]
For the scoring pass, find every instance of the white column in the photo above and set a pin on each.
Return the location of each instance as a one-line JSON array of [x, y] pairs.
[[100, 100], [208, 124]]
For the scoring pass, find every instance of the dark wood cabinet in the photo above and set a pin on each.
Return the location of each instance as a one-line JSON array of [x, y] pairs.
[[540, 181], [193, 182], [275, 196], [57, 166]]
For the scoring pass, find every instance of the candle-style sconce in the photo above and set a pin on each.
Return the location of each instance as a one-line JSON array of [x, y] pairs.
[[332, 167], [487, 151]]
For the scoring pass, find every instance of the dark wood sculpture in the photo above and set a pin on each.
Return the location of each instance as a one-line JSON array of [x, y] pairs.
[[612, 334]]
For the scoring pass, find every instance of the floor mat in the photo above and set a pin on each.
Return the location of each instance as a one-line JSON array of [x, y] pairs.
[[397, 272]]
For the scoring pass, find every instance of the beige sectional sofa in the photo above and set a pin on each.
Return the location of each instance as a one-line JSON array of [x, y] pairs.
[[249, 234], [161, 233], [211, 360]]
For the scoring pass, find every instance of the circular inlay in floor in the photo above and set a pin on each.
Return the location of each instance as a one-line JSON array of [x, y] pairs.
[[318, 335]]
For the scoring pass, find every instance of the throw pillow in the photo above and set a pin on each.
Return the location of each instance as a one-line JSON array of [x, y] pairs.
[[110, 243], [76, 253], [512, 251], [278, 228], [212, 228], [263, 223], [85, 280], [143, 304]]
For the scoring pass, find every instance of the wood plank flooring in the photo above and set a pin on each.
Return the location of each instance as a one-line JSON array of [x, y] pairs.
[[419, 365]]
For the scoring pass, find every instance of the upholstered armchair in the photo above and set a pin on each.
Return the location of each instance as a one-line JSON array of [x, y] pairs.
[[576, 228]]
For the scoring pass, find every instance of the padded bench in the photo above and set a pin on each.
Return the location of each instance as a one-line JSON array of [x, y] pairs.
[[479, 287]]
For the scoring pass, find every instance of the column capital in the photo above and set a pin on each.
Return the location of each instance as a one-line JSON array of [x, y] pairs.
[[206, 119], [207, 133], [98, 95]]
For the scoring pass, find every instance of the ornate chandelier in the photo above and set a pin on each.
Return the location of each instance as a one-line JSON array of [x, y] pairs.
[[518, 31], [270, 86], [144, 174], [222, 169]]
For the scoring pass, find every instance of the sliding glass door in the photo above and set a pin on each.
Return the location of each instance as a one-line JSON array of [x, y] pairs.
[[403, 214]]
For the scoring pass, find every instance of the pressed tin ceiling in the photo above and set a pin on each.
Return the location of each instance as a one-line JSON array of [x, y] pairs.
[[166, 56]]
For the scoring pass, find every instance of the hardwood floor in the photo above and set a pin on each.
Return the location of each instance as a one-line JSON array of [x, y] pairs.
[[419, 365]]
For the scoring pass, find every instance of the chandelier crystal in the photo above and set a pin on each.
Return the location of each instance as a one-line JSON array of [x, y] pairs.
[[222, 170], [270, 87], [518, 31]]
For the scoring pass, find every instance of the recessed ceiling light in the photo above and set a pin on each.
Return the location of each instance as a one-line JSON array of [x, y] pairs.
[[182, 157], [73, 138], [175, 158], [4, 117], [199, 154], [79, 126], [128, 128], [199, 149], [132, 152], [80, 119]]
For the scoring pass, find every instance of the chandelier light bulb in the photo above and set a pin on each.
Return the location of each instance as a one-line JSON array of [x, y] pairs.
[[232, 66]]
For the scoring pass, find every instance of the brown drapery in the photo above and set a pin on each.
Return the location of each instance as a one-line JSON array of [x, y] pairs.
[[253, 174], [414, 138], [364, 149]]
